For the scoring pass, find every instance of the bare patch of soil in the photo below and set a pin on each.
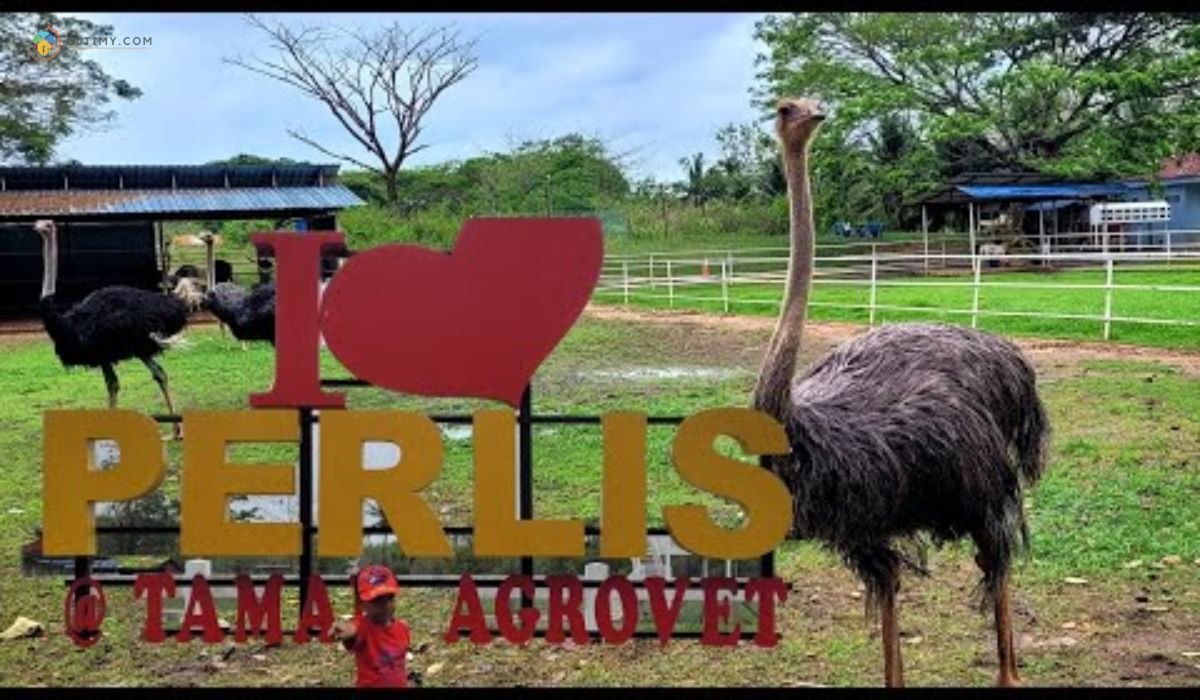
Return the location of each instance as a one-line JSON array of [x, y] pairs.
[[1052, 358]]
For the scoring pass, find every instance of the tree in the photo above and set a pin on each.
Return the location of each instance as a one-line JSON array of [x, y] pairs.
[[1095, 94], [44, 101], [696, 187], [379, 86]]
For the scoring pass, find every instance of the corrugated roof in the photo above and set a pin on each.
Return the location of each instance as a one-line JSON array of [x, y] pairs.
[[1185, 165], [1042, 191], [164, 177], [58, 203]]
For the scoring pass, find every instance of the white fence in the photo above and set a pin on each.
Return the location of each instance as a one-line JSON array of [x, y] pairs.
[[716, 277]]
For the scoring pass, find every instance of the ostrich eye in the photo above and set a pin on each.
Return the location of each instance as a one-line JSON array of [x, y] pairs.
[[786, 110]]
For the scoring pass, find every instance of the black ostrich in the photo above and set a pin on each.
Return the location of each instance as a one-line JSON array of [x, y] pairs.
[[250, 315], [908, 430], [111, 324]]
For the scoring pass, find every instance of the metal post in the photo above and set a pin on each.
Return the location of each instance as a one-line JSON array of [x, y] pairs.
[[525, 476], [670, 287], [164, 256], [306, 501], [971, 212], [874, 273], [925, 235], [1108, 296], [1042, 234], [975, 295], [725, 286], [625, 278]]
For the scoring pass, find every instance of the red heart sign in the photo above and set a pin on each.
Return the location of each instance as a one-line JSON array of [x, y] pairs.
[[477, 321]]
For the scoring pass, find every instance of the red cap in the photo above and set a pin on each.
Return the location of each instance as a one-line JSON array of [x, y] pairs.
[[376, 580]]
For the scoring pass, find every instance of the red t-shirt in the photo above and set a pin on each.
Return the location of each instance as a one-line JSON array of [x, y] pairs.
[[380, 651]]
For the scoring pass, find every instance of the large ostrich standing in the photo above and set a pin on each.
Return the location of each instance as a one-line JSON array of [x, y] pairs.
[[908, 430], [111, 324]]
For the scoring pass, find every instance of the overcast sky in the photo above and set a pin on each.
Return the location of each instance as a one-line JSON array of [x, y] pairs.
[[658, 83]]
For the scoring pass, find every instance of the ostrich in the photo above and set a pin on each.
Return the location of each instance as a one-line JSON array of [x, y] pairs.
[[250, 315], [909, 430], [111, 324]]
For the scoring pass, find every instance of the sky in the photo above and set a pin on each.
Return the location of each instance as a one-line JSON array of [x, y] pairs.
[[657, 86]]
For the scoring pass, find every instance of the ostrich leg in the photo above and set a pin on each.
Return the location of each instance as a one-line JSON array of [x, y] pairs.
[[1006, 656], [893, 667], [160, 376], [110, 380]]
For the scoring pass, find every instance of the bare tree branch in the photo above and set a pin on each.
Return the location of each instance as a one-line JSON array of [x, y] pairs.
[[393, 72]]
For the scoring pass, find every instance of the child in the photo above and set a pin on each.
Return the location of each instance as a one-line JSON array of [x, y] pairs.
[[379, 642]]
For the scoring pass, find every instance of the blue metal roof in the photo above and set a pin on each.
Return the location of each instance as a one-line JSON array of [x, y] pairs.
[[57, 203], [1044, 191]]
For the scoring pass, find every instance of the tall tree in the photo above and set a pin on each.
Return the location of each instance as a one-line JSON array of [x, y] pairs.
[[43, 101], [1067, 93], [379, 85]]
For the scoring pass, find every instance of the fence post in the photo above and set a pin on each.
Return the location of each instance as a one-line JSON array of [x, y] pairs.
[[874, 274], [975, 295], [725, 284], [625, 276], [670, 287], [652, 285], [1108, 296], [1168, 246]]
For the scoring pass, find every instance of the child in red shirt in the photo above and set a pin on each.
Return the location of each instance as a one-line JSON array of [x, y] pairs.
[[379, 642]]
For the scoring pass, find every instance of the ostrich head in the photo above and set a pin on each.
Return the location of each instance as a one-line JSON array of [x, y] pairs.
[[797, 120], [44, 227]]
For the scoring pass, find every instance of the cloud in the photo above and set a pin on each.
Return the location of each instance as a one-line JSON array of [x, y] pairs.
[[659, 83]]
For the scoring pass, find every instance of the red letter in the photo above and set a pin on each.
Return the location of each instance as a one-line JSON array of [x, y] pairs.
[[297, 334], [767, 590], [201, 610], [529, 616], [472, 618], [154, 585], [316, 613], [665, 615], [629, 610], [568, 609], [251, 611], [716, 610]]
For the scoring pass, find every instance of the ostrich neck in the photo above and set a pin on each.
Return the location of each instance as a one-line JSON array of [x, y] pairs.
[[774, 391], [49, 264]]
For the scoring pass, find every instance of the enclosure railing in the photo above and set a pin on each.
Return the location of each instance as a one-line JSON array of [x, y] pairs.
[[682, 280]]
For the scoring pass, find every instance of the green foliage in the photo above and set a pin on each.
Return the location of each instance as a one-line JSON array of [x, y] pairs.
[[44, 101], [917, 98]]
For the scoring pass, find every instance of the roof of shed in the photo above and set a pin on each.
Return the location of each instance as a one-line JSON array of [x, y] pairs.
[[170, 192]]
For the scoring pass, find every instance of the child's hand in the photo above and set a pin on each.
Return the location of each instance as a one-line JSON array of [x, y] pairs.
[[344, 630]]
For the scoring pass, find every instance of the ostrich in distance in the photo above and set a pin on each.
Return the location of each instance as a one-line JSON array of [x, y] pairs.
[[111, 324], [907, 430], [250, 315]]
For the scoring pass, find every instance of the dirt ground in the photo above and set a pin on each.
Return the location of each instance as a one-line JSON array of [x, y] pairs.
[[1050, 357]]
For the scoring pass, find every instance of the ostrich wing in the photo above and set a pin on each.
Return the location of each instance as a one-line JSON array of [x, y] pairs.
[[117, 323]]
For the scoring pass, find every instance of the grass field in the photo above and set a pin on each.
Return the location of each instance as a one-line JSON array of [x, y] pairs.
[[1119, 509], [929, 299]]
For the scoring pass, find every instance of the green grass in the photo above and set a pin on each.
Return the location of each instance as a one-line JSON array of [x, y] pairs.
[[1123, 484], [934, 300]]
